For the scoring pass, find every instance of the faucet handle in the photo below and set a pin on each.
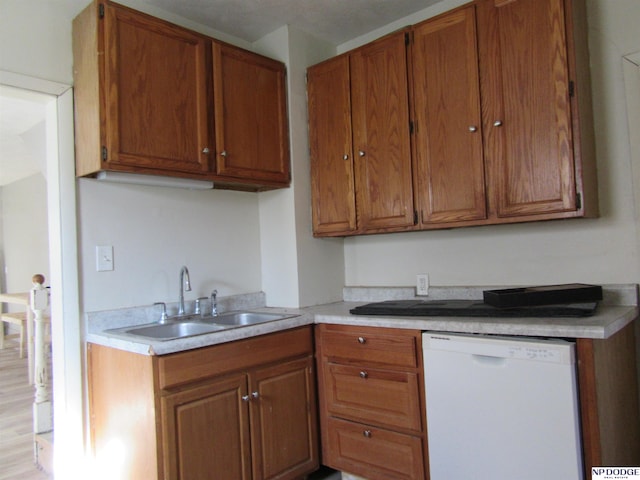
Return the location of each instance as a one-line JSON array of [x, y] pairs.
[[214, 303], [163, 315], [198, 310]]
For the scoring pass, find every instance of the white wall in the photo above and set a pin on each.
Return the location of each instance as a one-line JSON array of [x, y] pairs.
[[298, 270], [24, 242], [604, 250], [156, 230]]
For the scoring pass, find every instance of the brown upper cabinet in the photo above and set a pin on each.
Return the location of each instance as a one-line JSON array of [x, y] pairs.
[[500, 116], [146, 95], [252, 138], [330, 144], [360, 141], [532, 125], [448, 119]]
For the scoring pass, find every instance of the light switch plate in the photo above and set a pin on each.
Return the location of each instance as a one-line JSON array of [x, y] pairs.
[[104, 258]]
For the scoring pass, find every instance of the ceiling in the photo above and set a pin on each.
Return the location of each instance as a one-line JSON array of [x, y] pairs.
[[335, 21], [22, 133]]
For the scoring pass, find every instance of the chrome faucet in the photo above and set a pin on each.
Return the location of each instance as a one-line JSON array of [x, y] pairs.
[[185, 285], [163, 315]]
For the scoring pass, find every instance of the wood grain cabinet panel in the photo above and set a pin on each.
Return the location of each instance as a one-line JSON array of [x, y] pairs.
[[448, 119], [501, 126], [376, 453], [361, 165], [380, 114], [372, 346], [252, 139], [373, 396], [192, 423], [247, 410], [283, 420], [371, 392], [527, 96], [152, 97], [144, 82], [330, 146]]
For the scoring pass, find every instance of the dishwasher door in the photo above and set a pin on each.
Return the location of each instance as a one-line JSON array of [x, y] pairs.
[[501, 408]]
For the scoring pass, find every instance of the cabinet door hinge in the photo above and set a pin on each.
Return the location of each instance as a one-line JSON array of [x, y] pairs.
[[415, 217], [572, 88], [578, 201], [101, 10], [411, 127], [104, 154], [407, 39]]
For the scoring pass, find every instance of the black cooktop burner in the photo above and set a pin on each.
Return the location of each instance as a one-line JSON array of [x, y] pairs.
[[470, 308]]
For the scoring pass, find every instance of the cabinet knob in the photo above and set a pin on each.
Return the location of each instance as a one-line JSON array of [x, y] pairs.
[[223, 153], [473, 128], [205, 150], [361, 153], [367, 433], [255, 394], [245, 398], [364, 375], [362, 340], [497, 123], [345, 157]]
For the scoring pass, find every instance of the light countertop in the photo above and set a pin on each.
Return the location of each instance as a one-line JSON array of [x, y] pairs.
[[618, 309]]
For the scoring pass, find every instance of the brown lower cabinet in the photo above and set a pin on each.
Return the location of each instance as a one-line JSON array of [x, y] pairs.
[[247, 409], [239, 410], [371, 399]]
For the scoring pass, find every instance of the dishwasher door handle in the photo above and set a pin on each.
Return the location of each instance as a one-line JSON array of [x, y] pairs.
[[489, 360]]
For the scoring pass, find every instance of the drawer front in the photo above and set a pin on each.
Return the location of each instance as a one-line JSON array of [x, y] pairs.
[[374, 453], [373, 346], [379, 397], [178, 369]]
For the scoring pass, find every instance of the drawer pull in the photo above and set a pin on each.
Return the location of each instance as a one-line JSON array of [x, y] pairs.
[[364, 375], [362, 340], [367, 433]]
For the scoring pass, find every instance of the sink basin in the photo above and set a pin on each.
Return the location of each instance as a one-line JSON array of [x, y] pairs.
[[192, 325], [237, 319], [169, 331]]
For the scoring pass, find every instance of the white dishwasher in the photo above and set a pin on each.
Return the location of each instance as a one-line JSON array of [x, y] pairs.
[[501, 408]]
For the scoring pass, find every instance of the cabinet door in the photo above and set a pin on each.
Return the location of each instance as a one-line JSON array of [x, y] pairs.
[[250, 116], [528, 113], [448, 136], [283, 421], [156, 92], [332, 177], [205, 432], [380, 111]]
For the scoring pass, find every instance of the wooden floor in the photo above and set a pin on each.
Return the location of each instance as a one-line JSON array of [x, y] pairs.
[[16, 421]]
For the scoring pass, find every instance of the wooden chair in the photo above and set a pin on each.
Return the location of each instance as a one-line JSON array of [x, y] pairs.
[[19, 319]]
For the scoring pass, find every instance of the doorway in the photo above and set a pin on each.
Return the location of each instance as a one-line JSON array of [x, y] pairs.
[[63, 272]]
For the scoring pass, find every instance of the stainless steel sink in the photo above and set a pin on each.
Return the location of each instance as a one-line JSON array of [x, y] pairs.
[[238, 319], [196, 324], [169, 331]]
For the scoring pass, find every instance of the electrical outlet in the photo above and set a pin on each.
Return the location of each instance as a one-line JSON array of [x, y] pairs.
[[422, 284]]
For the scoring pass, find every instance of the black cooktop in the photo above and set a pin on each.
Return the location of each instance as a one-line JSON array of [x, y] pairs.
[[471, 308]]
